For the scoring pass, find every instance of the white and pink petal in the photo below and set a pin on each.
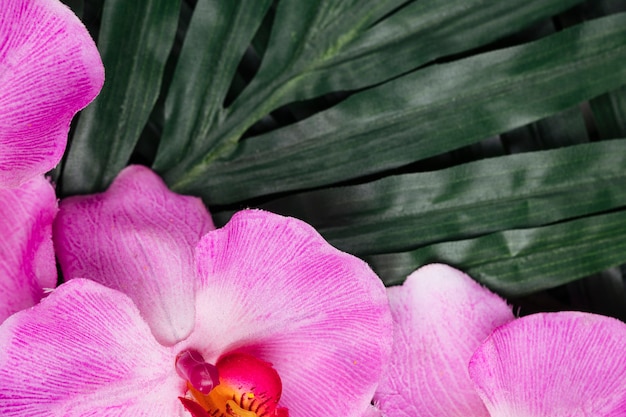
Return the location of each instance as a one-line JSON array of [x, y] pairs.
[[27, 265], [139, 238], [49, 70], [565, 364], [274, 289], [85, 351], [440, 317]]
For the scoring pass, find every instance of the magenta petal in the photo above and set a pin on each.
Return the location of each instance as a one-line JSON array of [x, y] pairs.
[[440, 317], [85, 351], [27, 265], [49, 70], [554, 365], [273, 288], [372, 412], [138, 237]]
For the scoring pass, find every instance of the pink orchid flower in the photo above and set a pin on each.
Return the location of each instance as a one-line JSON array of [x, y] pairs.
[[49, 69], [259, 318], [458, 351], [27, 265]]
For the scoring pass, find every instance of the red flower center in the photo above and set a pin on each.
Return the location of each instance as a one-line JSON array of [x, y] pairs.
[[238, 385]]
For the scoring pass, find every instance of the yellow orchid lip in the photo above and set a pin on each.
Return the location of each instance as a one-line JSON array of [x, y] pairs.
[[238, 385]]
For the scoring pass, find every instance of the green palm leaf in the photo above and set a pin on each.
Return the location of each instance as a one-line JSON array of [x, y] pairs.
[[392, 126], [134, 41], [519, 262], [428, 112], [403, 212]]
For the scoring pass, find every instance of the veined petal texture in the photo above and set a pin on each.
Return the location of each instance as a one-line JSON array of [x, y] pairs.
[[137, 237], [49, 69], [566, 364], [274, 289], [85, 351], [440, 317], [372, 411], [27, 265]]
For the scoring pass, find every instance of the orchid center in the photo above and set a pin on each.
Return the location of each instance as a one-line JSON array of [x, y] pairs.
[[238, 385]]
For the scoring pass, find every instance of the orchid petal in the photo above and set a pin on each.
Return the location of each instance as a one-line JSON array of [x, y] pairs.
[[372, 412], [566, 364], [27, 264], [49, 70], [440, 317], [273, 288], [85, 351], [138, 237]]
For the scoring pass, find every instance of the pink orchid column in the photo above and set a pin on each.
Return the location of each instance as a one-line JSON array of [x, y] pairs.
[[49, 70], [27, 265], [441, 316]]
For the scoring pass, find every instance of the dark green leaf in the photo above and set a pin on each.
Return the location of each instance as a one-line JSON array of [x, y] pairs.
[[318, 47], [321, 46], [219, 33], [519, 262], [403, 212], [431, 111], [609, 112], [563, 129], [134, 40]]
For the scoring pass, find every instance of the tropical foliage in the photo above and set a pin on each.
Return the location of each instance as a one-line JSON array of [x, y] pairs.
[[488, 135]]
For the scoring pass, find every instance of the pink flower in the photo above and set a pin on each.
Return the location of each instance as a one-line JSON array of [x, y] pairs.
[[49, 69], [27, 264], [138, 238], [264, 318], [459, 352]]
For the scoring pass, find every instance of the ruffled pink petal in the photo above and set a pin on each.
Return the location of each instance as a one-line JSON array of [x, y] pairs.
[[49, 70], [138, 237], [85, 351], [27, 265], [273, 288], [440, 317], [566, 364]]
